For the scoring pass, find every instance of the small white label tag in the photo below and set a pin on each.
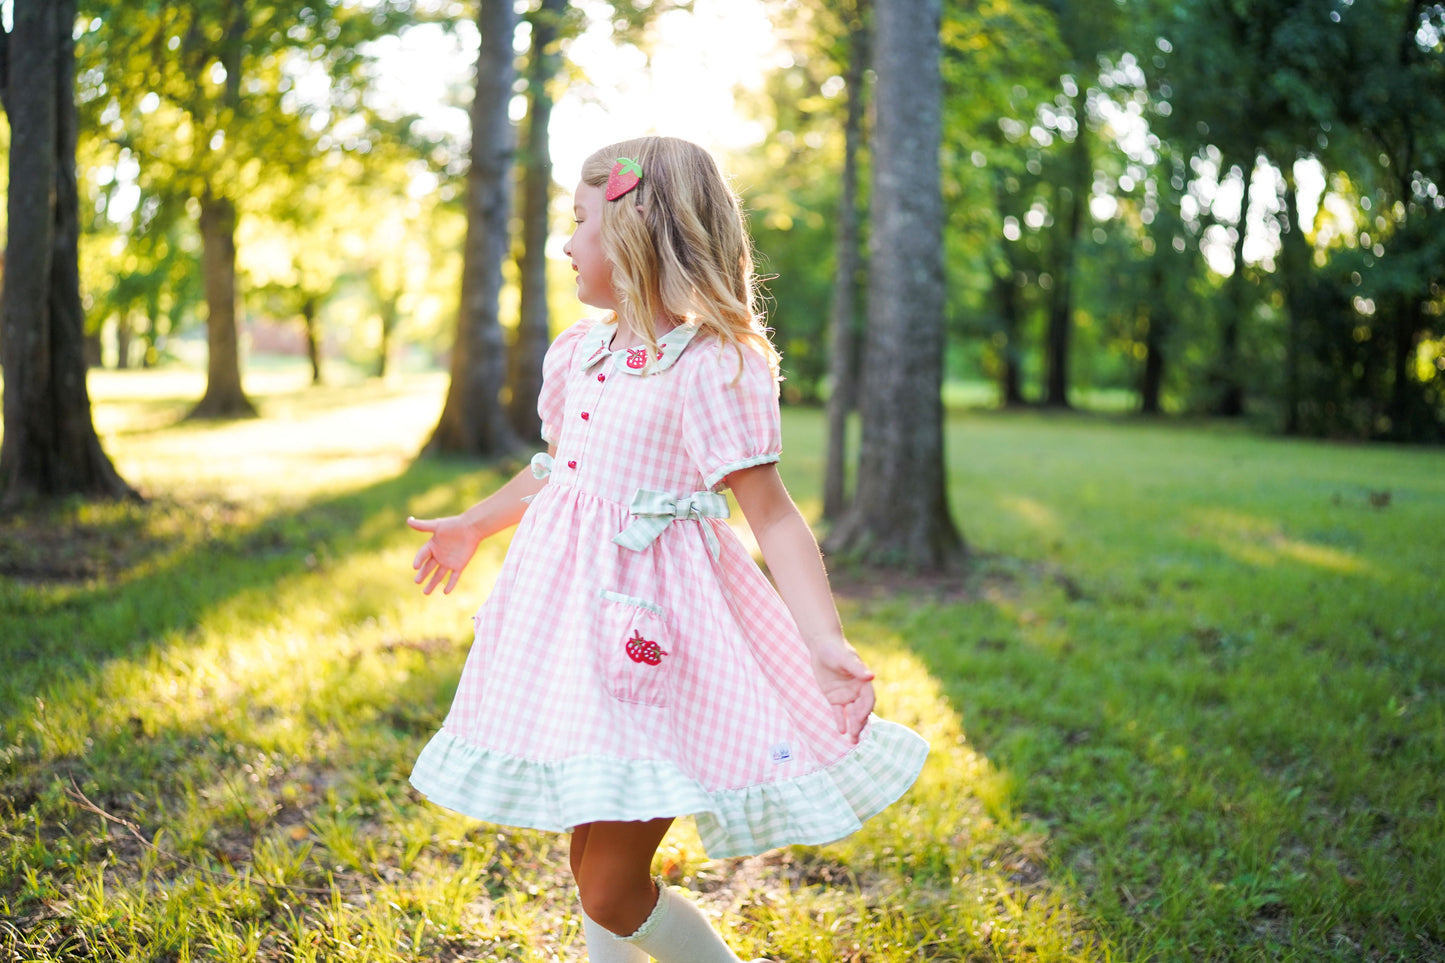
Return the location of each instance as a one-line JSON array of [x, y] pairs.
[[782, 752]]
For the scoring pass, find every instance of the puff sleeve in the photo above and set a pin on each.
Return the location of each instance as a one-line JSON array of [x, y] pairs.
[[730, 420], [556, 366]]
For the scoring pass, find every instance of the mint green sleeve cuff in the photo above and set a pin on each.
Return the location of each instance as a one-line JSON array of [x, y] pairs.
[[714, 478]]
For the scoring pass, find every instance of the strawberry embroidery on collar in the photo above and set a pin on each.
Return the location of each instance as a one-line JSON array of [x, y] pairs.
[[635, 360]]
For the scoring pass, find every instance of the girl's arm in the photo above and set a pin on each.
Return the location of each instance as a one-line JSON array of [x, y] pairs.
[[792, 555], [454, 539]]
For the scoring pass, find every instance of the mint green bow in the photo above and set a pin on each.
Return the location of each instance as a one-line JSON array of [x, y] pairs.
[[653, 511], [541, 465]]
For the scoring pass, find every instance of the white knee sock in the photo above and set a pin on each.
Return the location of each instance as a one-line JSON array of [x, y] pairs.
[[677, 932], [604, 946]]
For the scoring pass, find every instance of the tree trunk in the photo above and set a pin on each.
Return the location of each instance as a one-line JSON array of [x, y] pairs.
[[50, 447], [1006, 296], [1151, 382], [1294, 271], [524, 370], [313, 337], [1410, 319], [149, 338], [473, 419], [124, 334], [90, 349], [900, 514], [843, 314], [1229, 401], [390, 315], [224, 397], [1010, 311], [1061, 303]]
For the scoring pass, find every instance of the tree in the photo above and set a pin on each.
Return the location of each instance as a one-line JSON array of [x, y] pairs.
[[50, 446], [205, 95], [1000, 66], [473, 419], [1398, 106], [529, 346], [1087, 29], [900, 514], [1221, 73], [843, 313]]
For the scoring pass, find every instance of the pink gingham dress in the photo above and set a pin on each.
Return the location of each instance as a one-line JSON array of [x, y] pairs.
[[632, 661]]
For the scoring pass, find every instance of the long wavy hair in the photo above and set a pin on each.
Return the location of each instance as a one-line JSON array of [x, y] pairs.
[[678, 245]]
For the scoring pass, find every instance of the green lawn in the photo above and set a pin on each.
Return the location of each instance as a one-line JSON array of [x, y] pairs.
[[1188, 704]]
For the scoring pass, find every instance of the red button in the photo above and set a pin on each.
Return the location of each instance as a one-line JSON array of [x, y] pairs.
[[571, 464], [585, 416], [602, 377]]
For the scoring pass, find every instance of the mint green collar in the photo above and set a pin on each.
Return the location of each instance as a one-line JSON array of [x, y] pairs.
[[635, 360]]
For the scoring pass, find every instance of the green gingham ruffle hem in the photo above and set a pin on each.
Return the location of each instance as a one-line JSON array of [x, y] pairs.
[[816, 808]]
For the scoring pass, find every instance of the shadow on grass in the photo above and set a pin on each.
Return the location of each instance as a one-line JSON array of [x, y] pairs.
[[1214, 784], [65, 612], [226, 762]]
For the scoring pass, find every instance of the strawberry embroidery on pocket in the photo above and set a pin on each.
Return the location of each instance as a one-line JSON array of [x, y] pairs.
[[644, 651]]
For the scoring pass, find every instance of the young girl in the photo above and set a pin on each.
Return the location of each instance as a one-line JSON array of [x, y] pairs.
[[633, 664]]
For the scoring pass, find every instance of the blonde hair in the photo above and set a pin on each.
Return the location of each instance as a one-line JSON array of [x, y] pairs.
[[678, 245]]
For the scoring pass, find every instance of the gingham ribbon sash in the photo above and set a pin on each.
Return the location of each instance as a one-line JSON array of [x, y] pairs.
[[653, 511]]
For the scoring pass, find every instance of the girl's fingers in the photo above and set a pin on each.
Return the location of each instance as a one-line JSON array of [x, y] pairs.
[[422, 524], [451, 582], [858, 711]]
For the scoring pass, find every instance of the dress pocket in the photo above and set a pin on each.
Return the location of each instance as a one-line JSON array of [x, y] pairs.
[[635, 649]]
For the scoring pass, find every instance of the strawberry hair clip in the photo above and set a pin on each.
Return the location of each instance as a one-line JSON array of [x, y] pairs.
[[625, 175]]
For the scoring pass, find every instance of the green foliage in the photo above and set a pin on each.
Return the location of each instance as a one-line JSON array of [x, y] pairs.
[[1178, 104], [265, 104], [791, 207], [1187, 704]]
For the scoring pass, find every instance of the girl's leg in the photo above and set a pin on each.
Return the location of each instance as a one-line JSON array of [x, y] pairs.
[[613, 865], [603, 946]]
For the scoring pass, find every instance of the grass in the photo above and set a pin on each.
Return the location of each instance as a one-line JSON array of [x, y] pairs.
[[1188, 704]]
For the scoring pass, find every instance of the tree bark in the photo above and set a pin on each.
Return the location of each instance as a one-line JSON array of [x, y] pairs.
[[1229, 399], [1294, 271], [50, 447], [473, 419], [1006, 296], [1151, 381], [843, 313], [900, 514], [390, 315], [313, 337], [224, 397], [1010, 311], [529, 347], [1410, 319], [1061, 303], [124, 335]]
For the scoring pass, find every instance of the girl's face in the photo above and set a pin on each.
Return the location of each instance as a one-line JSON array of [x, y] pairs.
[[584, 247]]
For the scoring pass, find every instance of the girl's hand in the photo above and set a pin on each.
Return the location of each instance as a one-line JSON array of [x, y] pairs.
[[847, 684], [451, 546]]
